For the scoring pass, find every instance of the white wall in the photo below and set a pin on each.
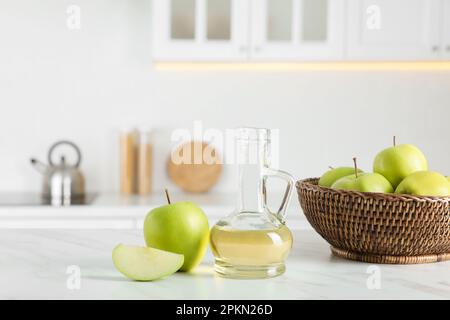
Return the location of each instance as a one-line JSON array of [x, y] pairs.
[[83, 85]]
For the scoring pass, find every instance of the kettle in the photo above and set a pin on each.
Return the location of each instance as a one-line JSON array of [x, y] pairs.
[[63, 183]]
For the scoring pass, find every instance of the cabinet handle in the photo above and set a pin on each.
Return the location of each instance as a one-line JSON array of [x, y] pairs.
[[448, 48], [257, 49], [435, 48]]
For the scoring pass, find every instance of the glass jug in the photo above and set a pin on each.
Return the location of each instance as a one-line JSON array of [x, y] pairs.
[[253, 242]]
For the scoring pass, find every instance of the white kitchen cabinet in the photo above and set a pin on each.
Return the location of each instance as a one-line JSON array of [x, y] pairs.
[[304, 30], [394, 29], [446, 30], [241, 30], [301, 30], [200, 30]]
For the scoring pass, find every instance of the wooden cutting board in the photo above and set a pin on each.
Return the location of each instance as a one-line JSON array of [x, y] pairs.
[[191, 171]]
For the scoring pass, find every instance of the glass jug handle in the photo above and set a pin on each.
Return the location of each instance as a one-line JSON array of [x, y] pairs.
[[268, 172]]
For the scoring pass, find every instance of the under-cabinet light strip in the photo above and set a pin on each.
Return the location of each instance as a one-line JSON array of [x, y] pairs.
[[313, 66]]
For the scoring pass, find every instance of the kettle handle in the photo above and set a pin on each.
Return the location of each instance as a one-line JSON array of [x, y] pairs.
[[64, 142]]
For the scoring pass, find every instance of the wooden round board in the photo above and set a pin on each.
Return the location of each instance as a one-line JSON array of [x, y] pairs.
[[194, 167]]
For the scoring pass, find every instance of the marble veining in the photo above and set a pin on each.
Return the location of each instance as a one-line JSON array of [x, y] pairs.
[[34, 263]]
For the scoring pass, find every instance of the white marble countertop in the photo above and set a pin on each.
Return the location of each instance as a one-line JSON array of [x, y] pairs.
[[34, 265]]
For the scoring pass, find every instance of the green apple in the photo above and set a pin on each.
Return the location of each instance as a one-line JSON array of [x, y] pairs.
[[364, 182], [448, 178], [398, 162], [144, 263], [425, 183], [181, 228], [331, 176]]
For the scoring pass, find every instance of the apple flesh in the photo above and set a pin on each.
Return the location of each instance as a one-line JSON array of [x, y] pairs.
[[181, 228], [331, 176], [398, 162], [365, 182], [425, 183], [144, 263]]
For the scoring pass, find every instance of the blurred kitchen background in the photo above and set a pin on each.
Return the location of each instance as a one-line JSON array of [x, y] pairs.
[[83, 69]]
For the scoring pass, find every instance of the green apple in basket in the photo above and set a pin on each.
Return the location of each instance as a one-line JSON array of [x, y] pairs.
[[425, 183], [398, 162], [364, 182], [334, 174]]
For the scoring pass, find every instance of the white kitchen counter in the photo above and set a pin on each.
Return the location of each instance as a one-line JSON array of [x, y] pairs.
[[34, 263], [113, 211]]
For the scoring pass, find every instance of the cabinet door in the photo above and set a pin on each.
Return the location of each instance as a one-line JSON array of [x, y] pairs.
[[191, 30], [393, 29], [446, 30], [297, 29]]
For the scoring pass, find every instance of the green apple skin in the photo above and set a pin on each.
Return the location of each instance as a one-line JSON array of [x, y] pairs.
[[181, 228], [144, 263], [396, 163], [425, 183], [365, 182], [333, 175]]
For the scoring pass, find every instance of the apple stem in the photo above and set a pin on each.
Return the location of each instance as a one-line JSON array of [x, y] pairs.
[[331, 167], [395, 141], [167, 196], [356, 166]]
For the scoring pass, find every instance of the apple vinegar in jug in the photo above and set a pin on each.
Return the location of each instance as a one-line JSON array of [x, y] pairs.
[[253, 241], [251, 248]]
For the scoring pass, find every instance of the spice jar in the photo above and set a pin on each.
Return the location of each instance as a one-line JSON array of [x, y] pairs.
[[144, 162], [128, 140]]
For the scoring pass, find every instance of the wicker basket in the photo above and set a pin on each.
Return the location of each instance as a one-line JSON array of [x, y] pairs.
[[378, 228]]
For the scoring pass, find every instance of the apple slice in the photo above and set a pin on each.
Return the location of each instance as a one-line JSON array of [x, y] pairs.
[[145, 263]]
